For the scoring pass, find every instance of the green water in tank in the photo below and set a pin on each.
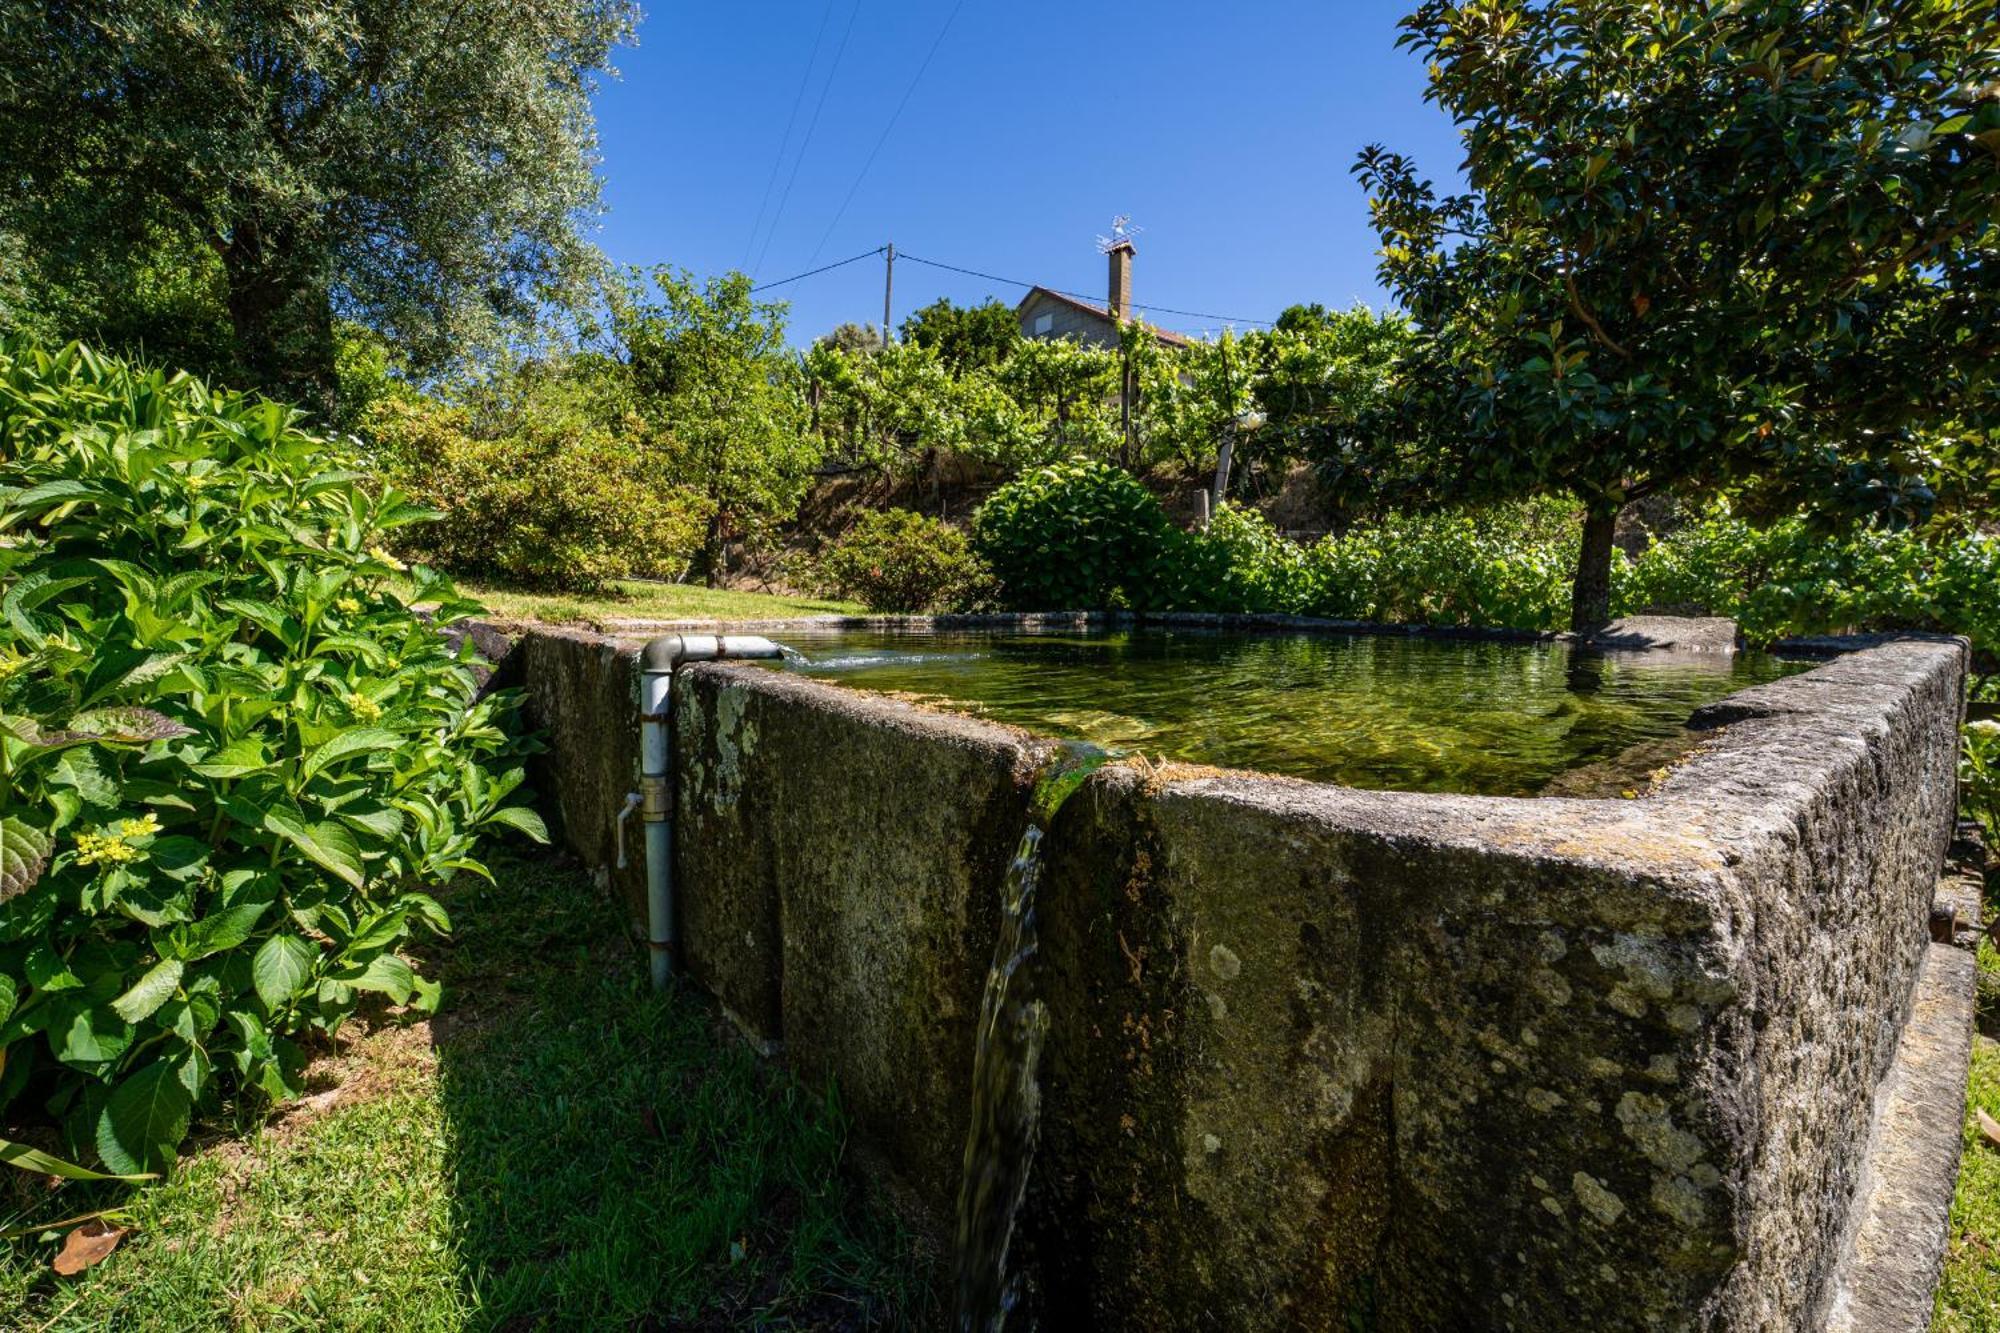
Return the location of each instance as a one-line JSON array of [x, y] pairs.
[[1392, 712]]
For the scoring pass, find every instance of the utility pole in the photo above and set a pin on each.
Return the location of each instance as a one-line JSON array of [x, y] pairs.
[[888, 287], [1228, 433]]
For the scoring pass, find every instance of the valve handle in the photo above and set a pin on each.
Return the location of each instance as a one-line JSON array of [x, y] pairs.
[[632, 800]]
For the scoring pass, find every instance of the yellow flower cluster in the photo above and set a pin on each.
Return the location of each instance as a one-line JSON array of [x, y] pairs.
[[9, 665], [145, 826], [348, 606], [363, 707], [391, 561], [115, 847]]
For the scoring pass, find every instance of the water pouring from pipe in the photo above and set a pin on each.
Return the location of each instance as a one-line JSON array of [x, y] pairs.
[[1006, 1096]]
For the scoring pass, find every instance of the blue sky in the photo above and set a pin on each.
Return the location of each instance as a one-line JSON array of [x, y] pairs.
[[1225, 130]]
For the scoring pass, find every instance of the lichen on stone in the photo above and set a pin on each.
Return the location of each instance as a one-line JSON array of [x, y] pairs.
[[1596, 1200]]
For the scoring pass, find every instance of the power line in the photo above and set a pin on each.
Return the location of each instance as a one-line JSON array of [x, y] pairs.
[[798, 99], [992, 277], [883, 138], [823, 268], [806, 143], [1077, 296]]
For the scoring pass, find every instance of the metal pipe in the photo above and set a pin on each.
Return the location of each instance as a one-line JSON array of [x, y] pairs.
[[658, 662]]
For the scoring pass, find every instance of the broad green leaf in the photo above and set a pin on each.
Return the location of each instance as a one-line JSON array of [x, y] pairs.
[[89, 1035], [379, 933], [24, 854], [429, 908], [522, 818], [222, 930], [80, 770], [144, 1120], [425, 995], [380, 821], [125, 726], [329, 845], [151, 669], [360, 740], [386, 974], [34, 1159], [150, 991], [234, 760], [51, 492], [30, 591], [281, 969]]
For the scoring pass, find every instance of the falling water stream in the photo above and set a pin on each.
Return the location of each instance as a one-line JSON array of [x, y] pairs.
[[1006, 1099]]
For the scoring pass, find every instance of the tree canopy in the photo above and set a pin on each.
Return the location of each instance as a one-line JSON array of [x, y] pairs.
[[223, 181], [1703, 243], [719, 395], [966, 337]]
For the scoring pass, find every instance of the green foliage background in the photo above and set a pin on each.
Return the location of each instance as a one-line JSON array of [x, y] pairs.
[[1087, 535], [896, 560]]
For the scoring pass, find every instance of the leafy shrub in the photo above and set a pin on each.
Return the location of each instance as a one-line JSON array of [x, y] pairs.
[[1468, 567], [1491, 566], [1078, 535], [231, 756], [554, 499], [894, 560], [1787, 578], [1979, 777]]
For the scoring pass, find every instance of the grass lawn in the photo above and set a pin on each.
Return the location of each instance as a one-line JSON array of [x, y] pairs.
[[560, 1148], [633, 600], [1969, 1296]]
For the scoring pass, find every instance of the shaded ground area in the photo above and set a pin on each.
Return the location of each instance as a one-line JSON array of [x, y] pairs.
[[631, 599], [561, 1149], [1969, 1295]]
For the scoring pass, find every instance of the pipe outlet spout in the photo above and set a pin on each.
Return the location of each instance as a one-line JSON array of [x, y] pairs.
[[670, 651], [658, 662]]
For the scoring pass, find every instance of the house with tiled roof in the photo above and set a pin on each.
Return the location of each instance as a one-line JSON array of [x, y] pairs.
[[1047, 313]]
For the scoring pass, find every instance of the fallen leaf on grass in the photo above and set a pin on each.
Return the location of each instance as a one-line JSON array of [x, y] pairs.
[[89, 1244], [1990, 1128]]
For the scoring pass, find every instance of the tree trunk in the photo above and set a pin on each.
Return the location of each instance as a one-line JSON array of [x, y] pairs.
[[1590, 594], [281, 318], [1222, 460]]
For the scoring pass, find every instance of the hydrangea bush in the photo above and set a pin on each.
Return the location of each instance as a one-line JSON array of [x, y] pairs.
[[234, 757]]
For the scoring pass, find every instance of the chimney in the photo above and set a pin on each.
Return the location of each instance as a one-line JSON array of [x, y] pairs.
[[1119, 299]]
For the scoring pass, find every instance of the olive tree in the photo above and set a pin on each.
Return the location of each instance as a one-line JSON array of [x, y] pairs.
[[1703, 243], [418, 166]]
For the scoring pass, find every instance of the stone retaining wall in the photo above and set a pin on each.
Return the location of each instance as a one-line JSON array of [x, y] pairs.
[[1434, 1061]]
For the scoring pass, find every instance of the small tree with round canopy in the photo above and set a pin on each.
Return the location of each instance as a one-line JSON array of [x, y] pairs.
[[1711, 243]]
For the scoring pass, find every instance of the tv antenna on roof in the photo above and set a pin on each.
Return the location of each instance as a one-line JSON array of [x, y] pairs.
[[1122, 232]]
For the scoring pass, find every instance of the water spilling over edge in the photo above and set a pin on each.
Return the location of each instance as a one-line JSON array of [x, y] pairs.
[[1006, 1098]]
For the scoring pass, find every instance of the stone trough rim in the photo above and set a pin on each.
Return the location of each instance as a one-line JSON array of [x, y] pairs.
[[1685, 828]]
